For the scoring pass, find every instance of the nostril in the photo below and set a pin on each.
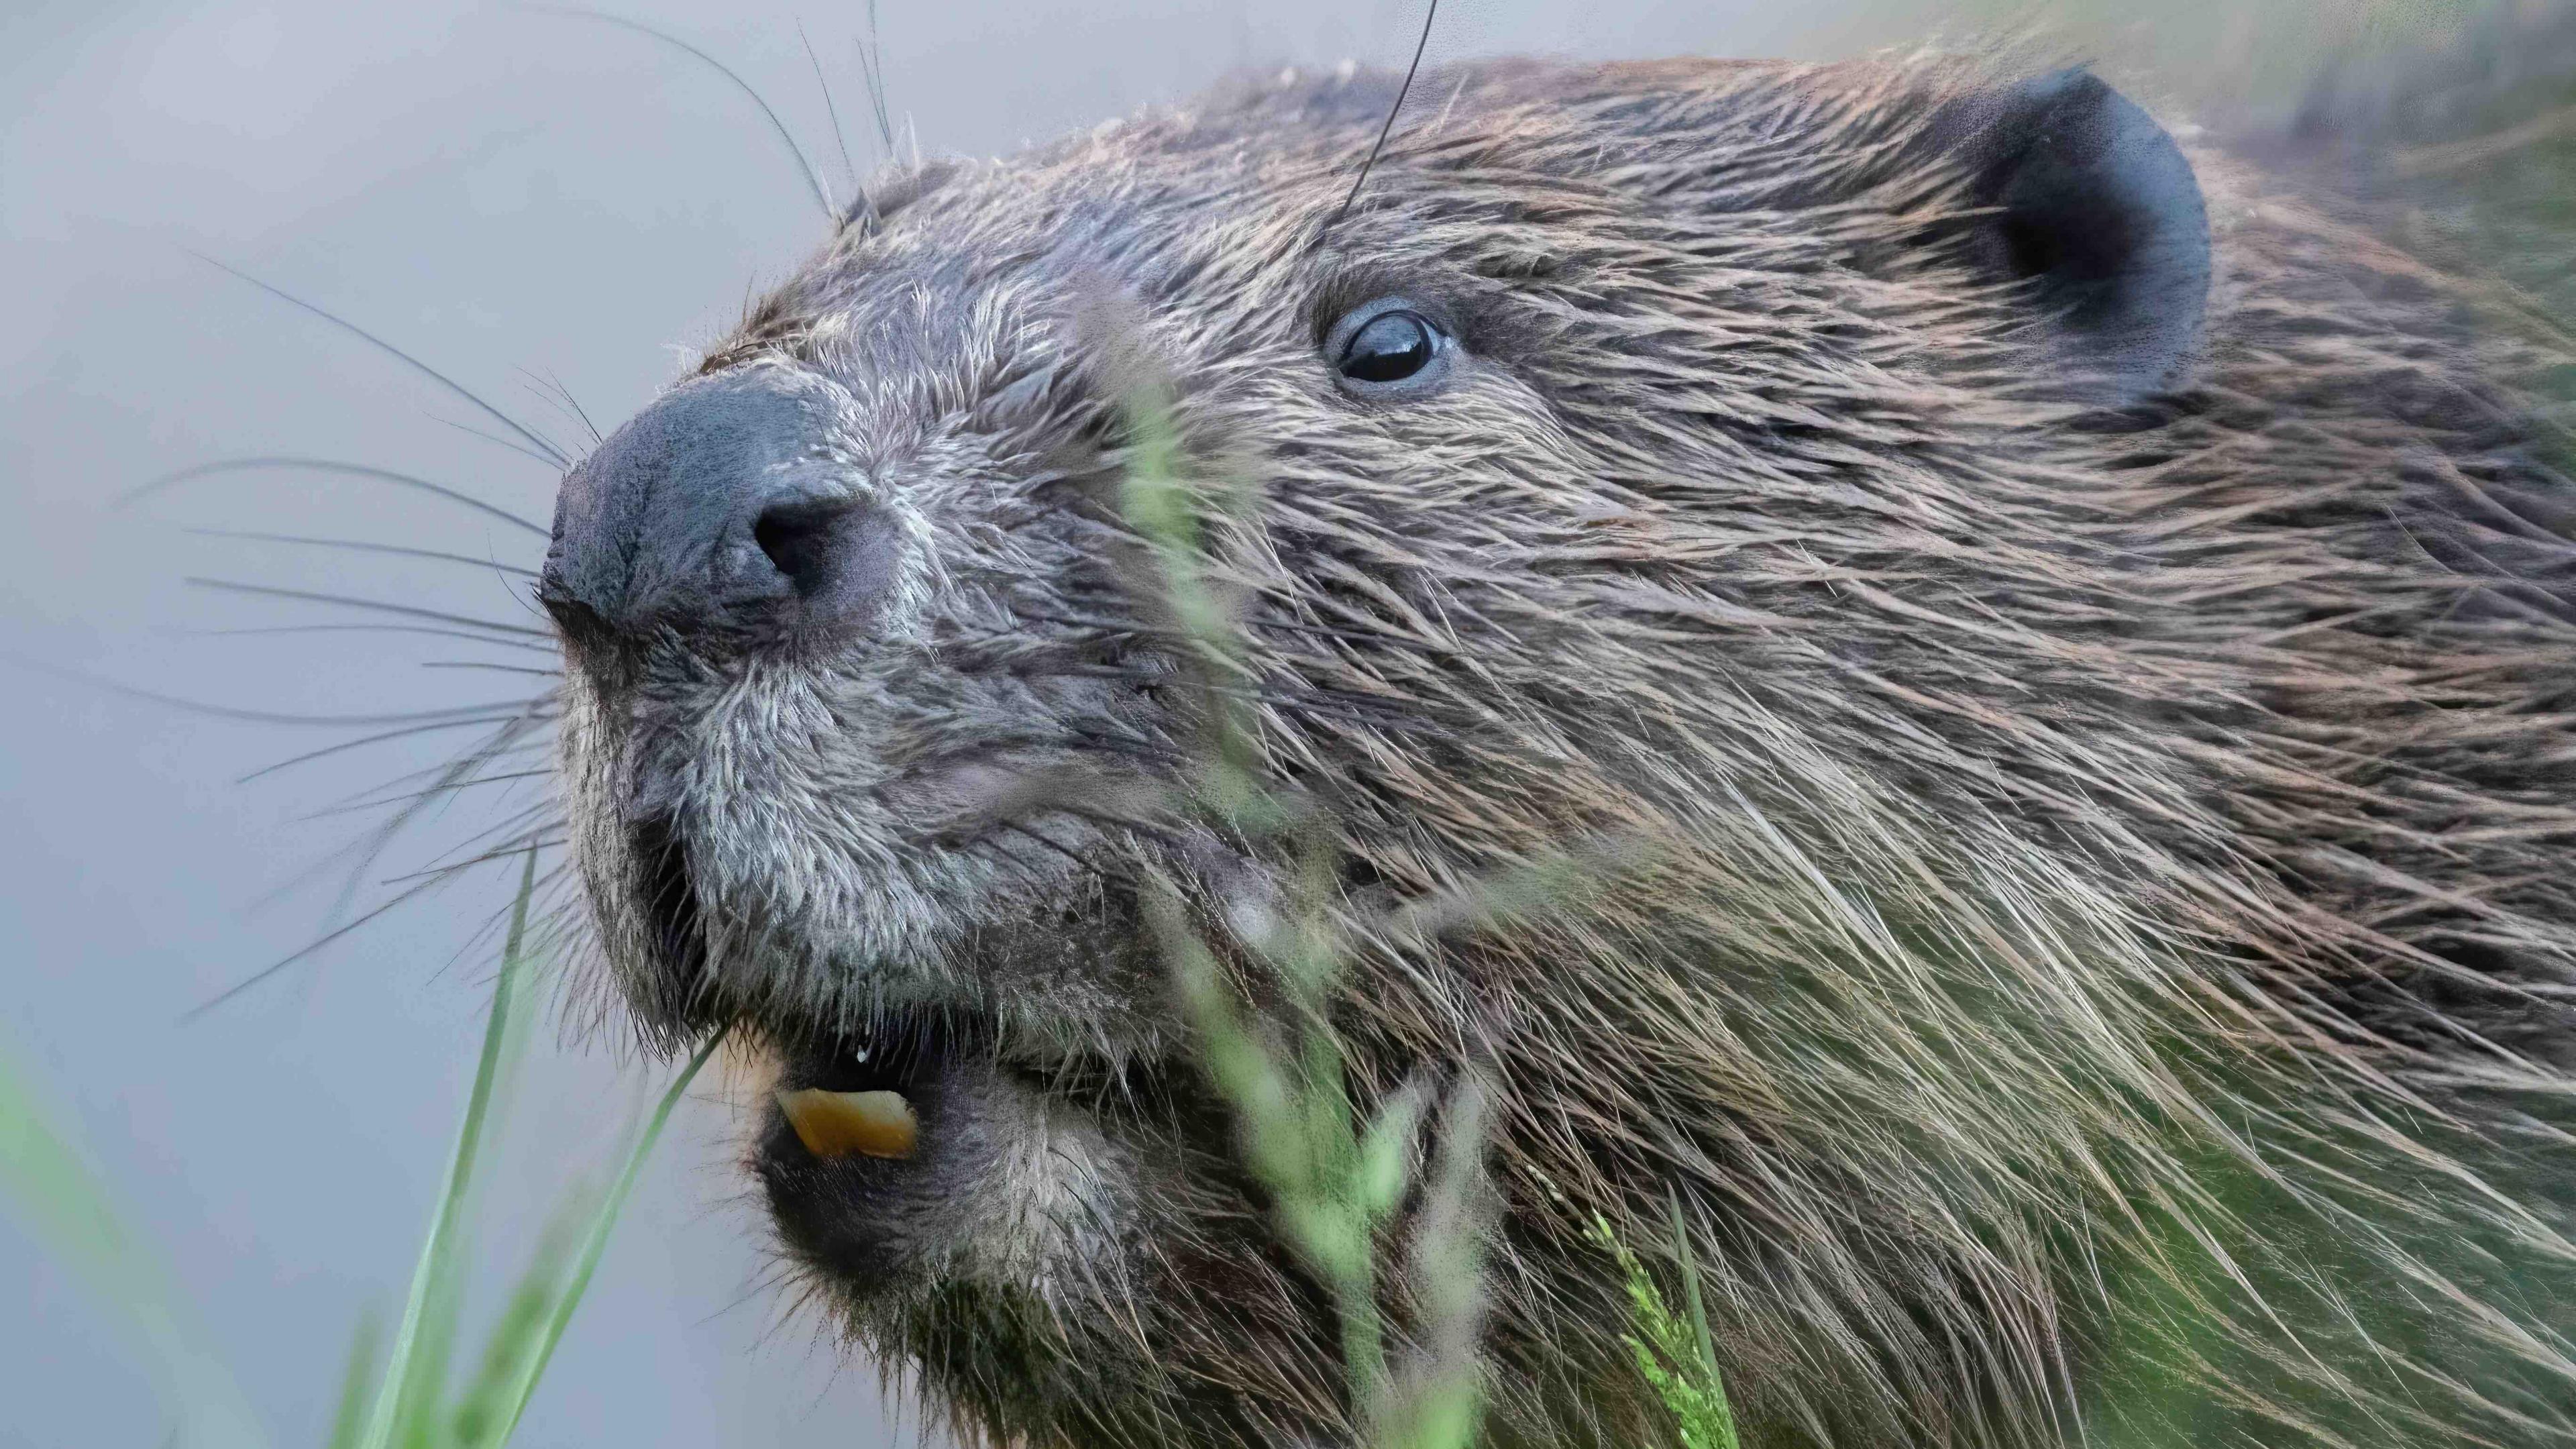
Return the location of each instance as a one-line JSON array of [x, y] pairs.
[[799, 540], [839, 556]]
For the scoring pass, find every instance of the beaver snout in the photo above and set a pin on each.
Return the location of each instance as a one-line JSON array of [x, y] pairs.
[[730, 500]]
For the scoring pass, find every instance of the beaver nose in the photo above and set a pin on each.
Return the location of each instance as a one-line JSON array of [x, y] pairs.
[[729, 500]]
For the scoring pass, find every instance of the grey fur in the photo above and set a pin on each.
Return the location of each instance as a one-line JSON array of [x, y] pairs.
[[2103, 968]]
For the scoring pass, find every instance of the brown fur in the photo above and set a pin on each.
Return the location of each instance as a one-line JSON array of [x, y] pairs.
[[2102, 967]]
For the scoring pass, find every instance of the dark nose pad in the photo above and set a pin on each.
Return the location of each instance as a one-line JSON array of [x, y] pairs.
[[728, 500]]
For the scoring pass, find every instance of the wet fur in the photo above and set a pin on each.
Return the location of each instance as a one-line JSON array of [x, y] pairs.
[[2102, 968]]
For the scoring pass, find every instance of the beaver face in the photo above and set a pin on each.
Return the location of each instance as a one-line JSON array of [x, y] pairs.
[[846, 626], [1747, 459]]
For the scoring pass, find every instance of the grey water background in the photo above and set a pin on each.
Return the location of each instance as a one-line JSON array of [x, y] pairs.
[[521, 200]]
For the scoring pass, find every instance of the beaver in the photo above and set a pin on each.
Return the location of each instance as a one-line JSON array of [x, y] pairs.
[[2079, 623]]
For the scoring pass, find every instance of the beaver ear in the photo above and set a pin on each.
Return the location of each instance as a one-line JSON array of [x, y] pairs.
[[2094, 204]]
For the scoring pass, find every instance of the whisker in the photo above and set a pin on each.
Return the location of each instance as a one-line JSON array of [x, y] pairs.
[[872, 77], [500, 744], [360, 545], [839, 137], [464, 634], [345, 746], [423, 368], [494, 748], [503, 743], [544, 924], [496, 668], [252, 716], [233, 586], [569, 403], [542, 460], [540, 815], [379, 801], [329, 465], [1430, 11], [306, 953], [822, 193], [319, 943], [531, 840]]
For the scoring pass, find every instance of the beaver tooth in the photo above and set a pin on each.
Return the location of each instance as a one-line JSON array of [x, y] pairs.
[[837, 1124]]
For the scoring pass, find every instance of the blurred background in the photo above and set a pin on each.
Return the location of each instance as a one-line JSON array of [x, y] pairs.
[[547, 209]]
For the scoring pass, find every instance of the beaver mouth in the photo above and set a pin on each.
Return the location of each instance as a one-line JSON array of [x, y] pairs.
[[926, 1149], [934, 1117], [842, 1171]]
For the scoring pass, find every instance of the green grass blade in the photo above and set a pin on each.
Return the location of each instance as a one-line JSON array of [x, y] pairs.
[[417, 1421], [68, 1213], [1701, 1337], [480, 1414], [431, 1302], [596, 1243], [350, 1419]]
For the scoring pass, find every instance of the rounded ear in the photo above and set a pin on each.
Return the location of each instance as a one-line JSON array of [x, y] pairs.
[[2094, 204]]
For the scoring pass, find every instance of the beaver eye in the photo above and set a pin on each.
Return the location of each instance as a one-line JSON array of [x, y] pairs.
[[1392, 347], [1388, 347]]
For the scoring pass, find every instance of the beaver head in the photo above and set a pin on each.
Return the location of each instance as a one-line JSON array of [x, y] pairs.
[[2081, 634]]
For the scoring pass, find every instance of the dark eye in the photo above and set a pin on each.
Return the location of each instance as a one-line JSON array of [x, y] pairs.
[[1392, 347], [1388, 347]]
